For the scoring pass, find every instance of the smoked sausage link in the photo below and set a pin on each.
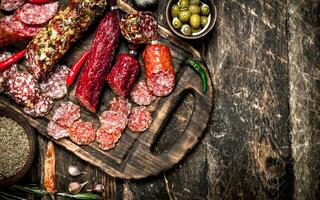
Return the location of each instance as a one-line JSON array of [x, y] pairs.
[[159, 69], [123, 74], [52, 42], [98, 64]]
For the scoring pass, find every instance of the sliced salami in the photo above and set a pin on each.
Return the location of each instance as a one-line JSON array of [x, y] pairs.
[[82, 132], [120, 104], [57, 131], [4, 75], [23, 88], [107, 138], [10, 5], [37, 14], [140, 119], [161, 83], [66, 114], [149, 26], [13, 25], [54, 85], [141, 94], [113, 120], [41, 107]]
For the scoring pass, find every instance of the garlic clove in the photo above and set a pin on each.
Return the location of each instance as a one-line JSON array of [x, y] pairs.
[[74, 171], [76, 187]]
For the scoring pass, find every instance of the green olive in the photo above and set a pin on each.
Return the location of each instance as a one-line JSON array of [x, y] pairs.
[[194, 9], [176, 23], [184, 3], [184, 16], [175, 10], [194, 2], [204, 21], [195, 21], [205, 10], [193, 30], [186, 29]]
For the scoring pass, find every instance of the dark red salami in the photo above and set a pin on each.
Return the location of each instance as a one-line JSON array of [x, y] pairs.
[[66, 114], [82, 132], [140, 119], [159, 69], [41, 106], [37, 14], [4, 75], [54, 85], [149, 25], [10, 5], [113, 120], [23, 88], [119, 104], [99, 62], [141, 94], [123, 74], [57, 131], [107, 138]]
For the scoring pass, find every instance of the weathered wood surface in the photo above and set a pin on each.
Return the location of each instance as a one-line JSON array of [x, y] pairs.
[[264, 57]]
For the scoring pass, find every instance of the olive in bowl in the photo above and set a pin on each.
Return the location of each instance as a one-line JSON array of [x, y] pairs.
[[191, 19]]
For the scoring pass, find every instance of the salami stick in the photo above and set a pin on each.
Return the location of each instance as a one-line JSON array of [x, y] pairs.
[[99, 61], [50, 169]]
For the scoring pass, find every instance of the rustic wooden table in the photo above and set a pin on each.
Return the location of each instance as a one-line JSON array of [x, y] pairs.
[[262, 141]]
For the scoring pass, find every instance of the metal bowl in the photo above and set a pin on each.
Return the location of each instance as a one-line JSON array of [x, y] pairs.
[[208, 28], [10, 113]]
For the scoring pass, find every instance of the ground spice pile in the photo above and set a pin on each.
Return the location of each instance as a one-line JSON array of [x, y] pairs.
[[14, 147]]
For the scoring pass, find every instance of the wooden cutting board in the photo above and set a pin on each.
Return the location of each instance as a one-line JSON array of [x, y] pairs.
[[178, 119]]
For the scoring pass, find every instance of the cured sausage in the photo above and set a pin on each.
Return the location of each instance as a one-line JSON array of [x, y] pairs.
[[5, 74], [94, 72], [123, 74], [10, 5], [54, 85], [140, 119], [52, 41], [107, 138], [41, 106], [119, 104], [23, 88], [34, 14], [141, 94], [82, 132], [50, 178], [159, 69]]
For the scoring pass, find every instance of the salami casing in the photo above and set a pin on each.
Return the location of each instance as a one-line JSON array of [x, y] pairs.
[[159, 69], [123, 74], [99, 61], [51, 42]]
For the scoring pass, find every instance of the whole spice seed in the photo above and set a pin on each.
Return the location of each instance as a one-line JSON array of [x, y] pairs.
[[14, 147]]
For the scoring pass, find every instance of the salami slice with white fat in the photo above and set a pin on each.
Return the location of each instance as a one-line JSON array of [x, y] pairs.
[[149, 25], [107, 138], [41, 106], [113, 120], [161, 83], [141, 95], [54, 85], [57, 131], [66, 114], [23, 88], [120, 104], [140, 119], [10, 5], [37, 14], [4, 75], [82, 132], [13, 25]]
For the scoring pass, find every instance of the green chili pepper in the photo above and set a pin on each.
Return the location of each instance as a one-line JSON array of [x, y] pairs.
[[197, 66]]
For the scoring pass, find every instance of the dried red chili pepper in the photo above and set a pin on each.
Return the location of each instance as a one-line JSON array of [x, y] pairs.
[[75, 68], [11, 60]]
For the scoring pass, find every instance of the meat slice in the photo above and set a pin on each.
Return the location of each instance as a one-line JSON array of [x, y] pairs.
[[82, 133], [37, 14], [120, 104], [140, 119], [10, 5], [141, 94], [113, 120], [5, 74], [41, 106], [107, 138], [66, 114], [57, 131]]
